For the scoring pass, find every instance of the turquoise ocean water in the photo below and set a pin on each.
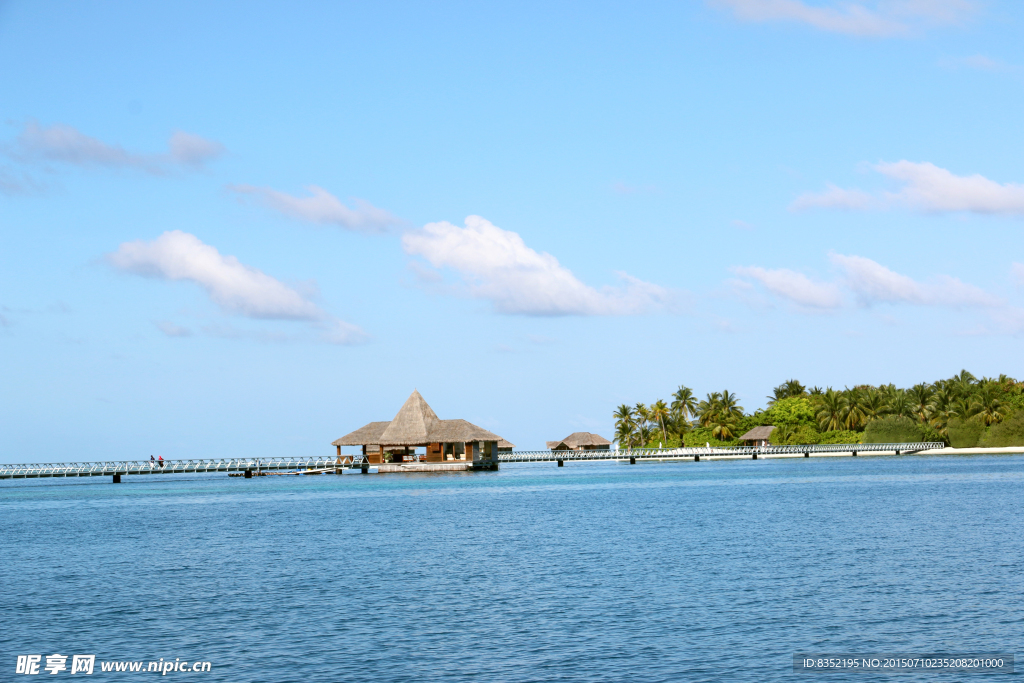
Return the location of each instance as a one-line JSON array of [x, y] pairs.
[[712, 571]]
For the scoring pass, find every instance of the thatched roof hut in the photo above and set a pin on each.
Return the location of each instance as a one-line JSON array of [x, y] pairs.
[[366, 435], [459, 431], [415, 425], [412, 425], [580, 441], [758, 435]]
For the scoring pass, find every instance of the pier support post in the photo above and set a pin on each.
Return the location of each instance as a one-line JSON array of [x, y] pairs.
[[561, 462], [248, 474], [897, 451], [632, 460], [117, 478], [755, 456], [696, 457], [855, 454], [807, 454]]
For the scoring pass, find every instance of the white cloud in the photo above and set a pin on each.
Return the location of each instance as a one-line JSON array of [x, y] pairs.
[[794, 286], [872, 282], [869, 282], [334, 331], [66, 144], [926, 187], [496, 265], [880, 19], [852, 19], [193, 150], [323, 208], [930, 188], [232, 285], [833, 198]]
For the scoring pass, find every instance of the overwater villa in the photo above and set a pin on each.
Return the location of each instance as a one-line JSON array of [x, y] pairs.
[[416, 425], [580, 441]]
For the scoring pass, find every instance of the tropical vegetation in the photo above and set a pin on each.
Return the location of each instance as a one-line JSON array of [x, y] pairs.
[[963, 411]]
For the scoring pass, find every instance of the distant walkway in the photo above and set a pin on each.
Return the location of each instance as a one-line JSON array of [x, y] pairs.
[[730, 453], [117, 468], [255, 466]]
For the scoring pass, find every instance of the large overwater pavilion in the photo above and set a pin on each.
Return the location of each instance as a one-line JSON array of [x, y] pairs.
[[417, 426]]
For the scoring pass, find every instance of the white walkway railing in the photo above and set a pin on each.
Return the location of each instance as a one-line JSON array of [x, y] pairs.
[[101, 469], [748, 451]]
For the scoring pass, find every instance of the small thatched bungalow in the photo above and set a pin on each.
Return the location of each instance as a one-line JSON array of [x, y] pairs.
[[416, 425], [758, 436], [580, 441]]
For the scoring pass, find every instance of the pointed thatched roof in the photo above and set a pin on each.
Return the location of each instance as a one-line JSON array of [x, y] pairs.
[[504, 445], [577, 439], [552, 445], [412, 424], [758, 434], [366, 435], [416, 424]]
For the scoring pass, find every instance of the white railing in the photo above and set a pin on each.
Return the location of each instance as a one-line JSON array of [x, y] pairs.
[[125, 467], [108, 468], [749, 451]]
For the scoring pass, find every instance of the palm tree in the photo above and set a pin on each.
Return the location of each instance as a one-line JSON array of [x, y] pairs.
[[624, 434], [921, 400], [723, 428], [816, 391], [872, 404], [659, 412], [684, 404], [942, 407], [830, 414], [791, 388], [988, 405], [720, 411], [644, 434], [962, 407], [965, 383], [729, 405], [643, 414], [707, 408], [853, 410], [901, 404], [625, 425]]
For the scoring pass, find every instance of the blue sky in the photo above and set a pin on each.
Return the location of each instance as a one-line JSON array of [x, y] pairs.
[[250, 228]]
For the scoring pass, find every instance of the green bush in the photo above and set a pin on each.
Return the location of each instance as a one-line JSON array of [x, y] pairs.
[[701, 435], [673, 441], [894, 429], [798, 435], [930, 433], [841, 436], [788, 411], [964, 433], [1009, 432]]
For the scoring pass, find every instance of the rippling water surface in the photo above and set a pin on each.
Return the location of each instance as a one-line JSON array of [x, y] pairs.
[[591, 572]]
